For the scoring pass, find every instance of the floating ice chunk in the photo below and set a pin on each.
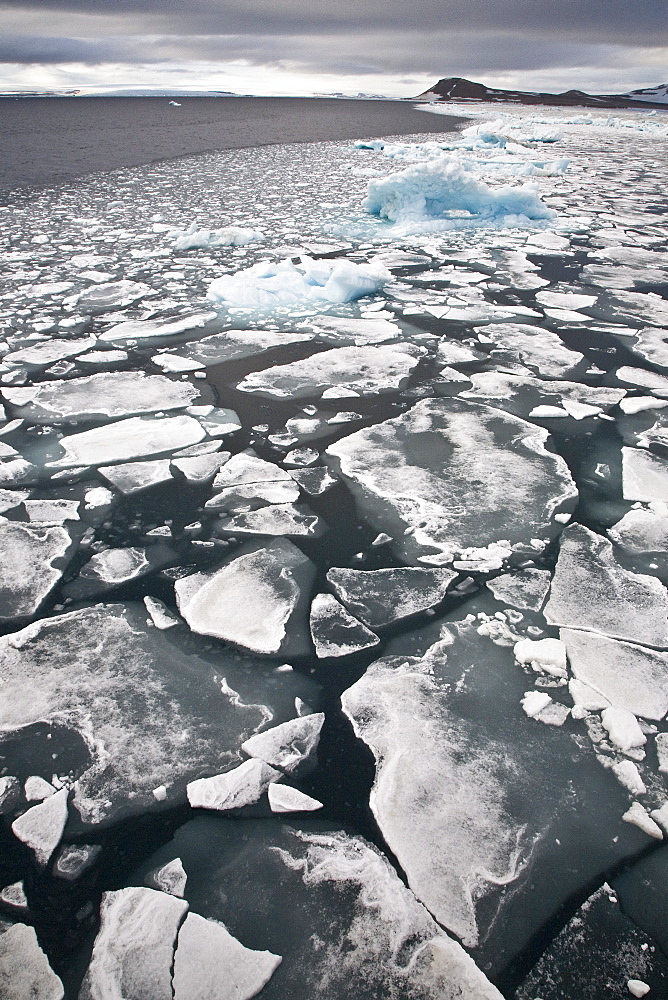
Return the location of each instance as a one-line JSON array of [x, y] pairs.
[[660, 816], [543, 655], [286, 519], [253, 495], [364, 370], [106, 394], [124, 440], [289, 745], [535, 347], [142, 709], [644, 475], [134, 948], [246, 477], [628, 775], [15, 897], [591, 590], [133, 477], [565, 300], [44, 354], [229, 236], [219, 421], [623, 728], [114, 567], [41, 827], [641, 378], [256, 599], [639, 816], [169, 878], [51, 511], [36, 789], [585, 697], [383, 596], [361, 331], [534, 702], [10, 792], [628, 676], [210, 963], [114, 295], [143, 329], [448, 475], [9, 499], [315, 482], [283, 799], [662, 751], [25, 973], [32, 560], [268, 285], [18, 472], [520, 394], [72, 860], [651, 343], [334, 631], [633, 307], [98, 496], [443, 189], [525, 589], [103, 358], [637, 988], [234, 345], [173, 363], [201, 468], [242, 786]]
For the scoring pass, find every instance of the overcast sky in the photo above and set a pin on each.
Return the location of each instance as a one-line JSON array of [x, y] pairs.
[[392, 47]]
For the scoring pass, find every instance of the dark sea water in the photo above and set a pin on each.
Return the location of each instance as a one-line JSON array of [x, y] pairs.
[[46, 140]]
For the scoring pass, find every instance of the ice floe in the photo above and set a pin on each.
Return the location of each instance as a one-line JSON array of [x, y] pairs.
[[288, 746], [124, 440], [145, 329], [257, 599], [32, 560], [242, 786], [334, 631], [644, 475], [383, 596], [25, 973], [229, 236], [448, 475], [41, 827]]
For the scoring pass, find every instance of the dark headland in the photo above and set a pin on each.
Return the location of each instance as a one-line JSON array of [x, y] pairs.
[[456, 88], [47, 140]]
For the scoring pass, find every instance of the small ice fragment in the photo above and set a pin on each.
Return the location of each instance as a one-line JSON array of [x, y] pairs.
[[534, 702], [628, 775], [547, 655], [73, 860], [170, 878], [41, 827], [334, 631], [638, 816], [623, 728], [160, 793], [242, 786], [637, 988], [283, 799], [160, 614], [288, 745], [662, 751], [660, 816], [36, 789], [14, 895], [586, 697]]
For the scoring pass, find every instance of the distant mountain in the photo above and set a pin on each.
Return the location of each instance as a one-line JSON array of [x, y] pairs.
[[455, 88]]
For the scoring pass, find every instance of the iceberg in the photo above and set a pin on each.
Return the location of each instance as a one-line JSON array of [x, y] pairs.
[[267, 285]]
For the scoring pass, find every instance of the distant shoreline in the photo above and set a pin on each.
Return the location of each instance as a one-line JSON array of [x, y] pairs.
[[50, 140]]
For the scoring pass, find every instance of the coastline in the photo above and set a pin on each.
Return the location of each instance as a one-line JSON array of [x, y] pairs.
[[54, 140]]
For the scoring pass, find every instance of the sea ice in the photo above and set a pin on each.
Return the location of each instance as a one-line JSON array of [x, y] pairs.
[[235, 345], [199, 469], [169, 878], [449, 475], [628, 676], [284, 799], [210, 963], [144, 711], [229, 236], [358, 330], [25, 973], [639, 816], [525, 589], [124, 440], [43, 354], [622, 727], [242, 786], [382, 596], [95, 397], [107, 297], [113, 567], [32, 560], [591, 590], [644, 475], [133, 477], [542, 655], [268, 285], [133, 952], [334, 631], [49, 512], [354, 929], [288, 746], [367, 371], [41, 827], [535, 347], [144, 329], [257, 599], [286, 519], [246, 481]]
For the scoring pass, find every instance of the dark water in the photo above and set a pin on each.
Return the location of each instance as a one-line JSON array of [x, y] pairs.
[[46, 140]]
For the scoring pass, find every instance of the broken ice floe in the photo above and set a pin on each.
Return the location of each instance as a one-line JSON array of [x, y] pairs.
[[526, 589], [449, 475], [353, 926], [288, 520], [535, 347], [591, 590], [111, 296], [144, 329], [41, 827], [193, 238], [334, 631], [383, 596], [234, 789], [289, 746], [147, 712], [267, 285], [256, 599], [124, 440], [32, 560], [363, 371], [25, 972], [644, 475]]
